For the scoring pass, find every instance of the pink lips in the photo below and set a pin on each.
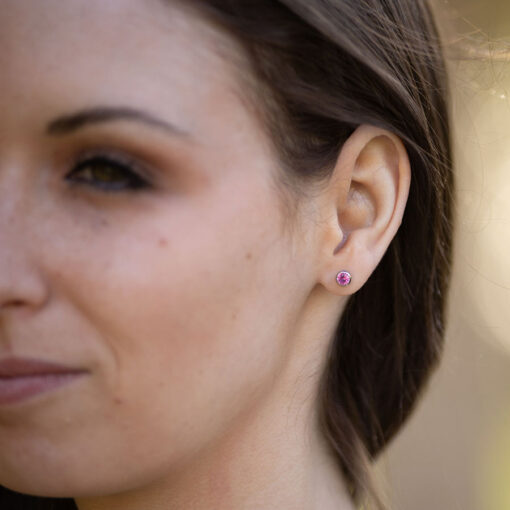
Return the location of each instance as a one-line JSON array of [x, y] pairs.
[[22, 378]]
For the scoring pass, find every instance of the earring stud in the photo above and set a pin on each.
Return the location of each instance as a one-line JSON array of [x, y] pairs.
[[343, 278]]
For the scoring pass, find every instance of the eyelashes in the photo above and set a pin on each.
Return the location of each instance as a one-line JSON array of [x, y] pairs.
[[107, 173]]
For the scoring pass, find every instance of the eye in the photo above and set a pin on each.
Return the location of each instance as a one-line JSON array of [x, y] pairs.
[[107, 173]]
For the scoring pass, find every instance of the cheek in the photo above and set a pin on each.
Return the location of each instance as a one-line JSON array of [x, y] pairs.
[[185, 318], [186, 334]]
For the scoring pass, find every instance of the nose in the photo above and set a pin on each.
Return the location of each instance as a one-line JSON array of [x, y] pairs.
[[21, 282], [19, 288]]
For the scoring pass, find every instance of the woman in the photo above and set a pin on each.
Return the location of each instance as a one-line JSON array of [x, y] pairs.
[[211, 296]]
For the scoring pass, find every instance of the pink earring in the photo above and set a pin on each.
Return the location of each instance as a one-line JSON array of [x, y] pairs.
[[343, 278]]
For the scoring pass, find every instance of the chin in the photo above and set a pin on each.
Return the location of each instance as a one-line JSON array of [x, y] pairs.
[[38, 488], [39, 480]]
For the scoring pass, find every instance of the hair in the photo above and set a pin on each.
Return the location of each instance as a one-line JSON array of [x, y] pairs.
[[321, 68]]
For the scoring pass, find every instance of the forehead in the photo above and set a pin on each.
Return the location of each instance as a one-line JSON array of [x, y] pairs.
[[54, 54]]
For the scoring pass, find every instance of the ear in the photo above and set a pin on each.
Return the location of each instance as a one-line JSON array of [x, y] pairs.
[[364, 204]]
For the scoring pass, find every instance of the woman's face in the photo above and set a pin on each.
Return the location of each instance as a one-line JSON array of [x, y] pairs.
[[177, 298]]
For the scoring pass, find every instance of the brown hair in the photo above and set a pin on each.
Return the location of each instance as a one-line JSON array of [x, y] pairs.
[[322, 68]]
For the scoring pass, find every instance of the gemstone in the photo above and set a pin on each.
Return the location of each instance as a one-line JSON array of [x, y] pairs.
[[343, 278]]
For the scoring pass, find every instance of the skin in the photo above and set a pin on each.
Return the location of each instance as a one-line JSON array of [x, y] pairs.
[[202, 321]]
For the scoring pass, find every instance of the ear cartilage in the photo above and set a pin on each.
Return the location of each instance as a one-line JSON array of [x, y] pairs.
[[343, 278]]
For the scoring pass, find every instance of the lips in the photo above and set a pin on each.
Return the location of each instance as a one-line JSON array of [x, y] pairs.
[[20, 367], [22, 378]]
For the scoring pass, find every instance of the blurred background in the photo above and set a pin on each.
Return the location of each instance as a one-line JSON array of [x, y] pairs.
[[454, 453]]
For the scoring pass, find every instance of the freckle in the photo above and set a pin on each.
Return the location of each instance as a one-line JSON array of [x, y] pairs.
[[117, 400], [248, 256], [104, 222], [234, 316], [163, 242]]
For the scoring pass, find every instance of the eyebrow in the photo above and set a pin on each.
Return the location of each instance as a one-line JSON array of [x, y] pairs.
[[100, 114]]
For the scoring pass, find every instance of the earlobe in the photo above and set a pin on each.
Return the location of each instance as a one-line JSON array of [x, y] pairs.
[[368, 190]]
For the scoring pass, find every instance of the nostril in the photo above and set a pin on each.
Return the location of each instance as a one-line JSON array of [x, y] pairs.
[[22, 288], [15, 302]]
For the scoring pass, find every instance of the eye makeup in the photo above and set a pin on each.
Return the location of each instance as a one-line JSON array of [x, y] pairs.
[[108, 172]]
